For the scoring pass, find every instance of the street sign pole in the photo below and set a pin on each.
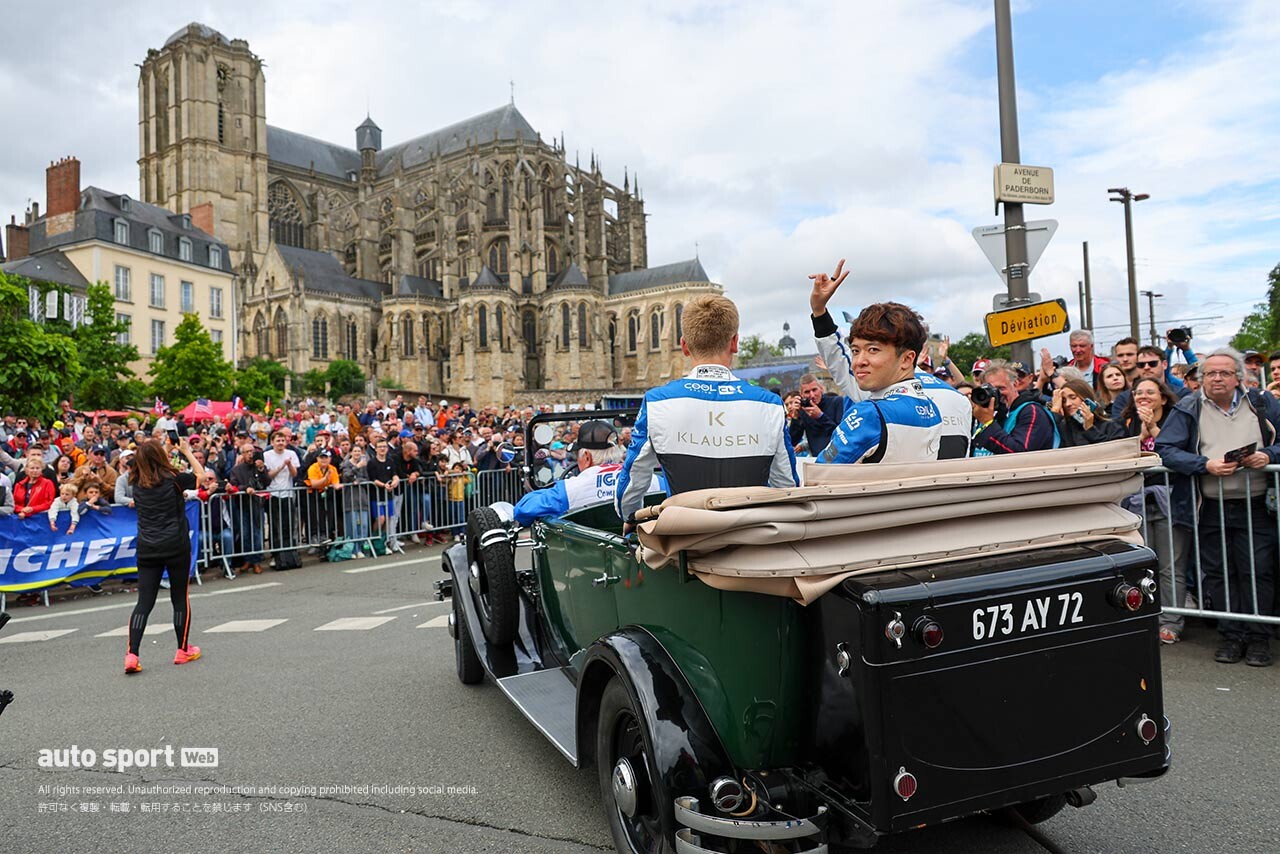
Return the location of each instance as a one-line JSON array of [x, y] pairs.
[[1088, 291], [1015, 234]]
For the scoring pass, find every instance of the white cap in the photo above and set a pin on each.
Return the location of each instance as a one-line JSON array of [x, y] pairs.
[[444, 403]]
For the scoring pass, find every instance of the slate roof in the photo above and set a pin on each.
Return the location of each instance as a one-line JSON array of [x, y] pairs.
[[95, 220], [417, 286], [51, 266], [202, 30], [570, 277], [668, 274], [487, 279], [304, 152], [301, 151], [322, 273]]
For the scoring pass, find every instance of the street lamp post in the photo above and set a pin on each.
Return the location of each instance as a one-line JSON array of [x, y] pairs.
[[1122, 194], [1151, 314]]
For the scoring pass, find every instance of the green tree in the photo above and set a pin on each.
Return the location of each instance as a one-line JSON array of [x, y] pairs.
[[255, 387], [345, 377], [752, 346], [390, 383], [313, 382], [973, 347], [106, 381], [192, 367], [1260, 329], [34, 360]]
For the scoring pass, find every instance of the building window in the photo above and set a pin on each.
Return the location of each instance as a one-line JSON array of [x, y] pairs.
[[261, 340], [157, 291], [215, 335], [215, 302], [565, 330], [122, 231], [157, 336], [679, 322], [582, 324], [282, 335], [429, 268], [498, 262], [184, 249], [187, 294], [215, 257], [482, 324], [499, 329], [633, 330], [51, 305], [655, 330], [529, 324], [320, 338], [353, 339], [553, 260], [124, 336], [285, 215], [124, 287], [155, 242], [426, 334]]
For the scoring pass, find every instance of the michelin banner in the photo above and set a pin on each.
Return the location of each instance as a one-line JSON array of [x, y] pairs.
[[32, 556]]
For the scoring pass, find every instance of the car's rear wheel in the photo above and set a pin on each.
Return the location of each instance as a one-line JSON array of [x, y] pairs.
[[492, 569], [636, 800], [1041, 809], [470, 670]]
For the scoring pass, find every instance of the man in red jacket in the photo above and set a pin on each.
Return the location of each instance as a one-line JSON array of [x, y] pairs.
[[1083, 357], [34, 493]]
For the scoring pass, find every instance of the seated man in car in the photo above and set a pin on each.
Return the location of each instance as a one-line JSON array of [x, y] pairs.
[[953, 407], [897, 422], [599, 461], [708, 429]]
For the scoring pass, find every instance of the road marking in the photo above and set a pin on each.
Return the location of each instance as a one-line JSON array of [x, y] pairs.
[[130, 604], [436, 622], [24, 637], [153, 628], [375, 567], [414, 605], [354, 624], [245, 626]]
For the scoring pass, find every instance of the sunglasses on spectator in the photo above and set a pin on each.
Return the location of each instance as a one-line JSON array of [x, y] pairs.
[[1148, 364]]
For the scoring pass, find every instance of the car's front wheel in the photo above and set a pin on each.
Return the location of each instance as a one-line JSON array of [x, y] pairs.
[[636, 800]]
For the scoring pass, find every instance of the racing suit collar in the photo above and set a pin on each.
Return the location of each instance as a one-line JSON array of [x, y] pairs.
[[710, 372], [908, 385]]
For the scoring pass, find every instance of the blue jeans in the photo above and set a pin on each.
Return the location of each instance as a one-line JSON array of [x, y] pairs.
[[248, 526]]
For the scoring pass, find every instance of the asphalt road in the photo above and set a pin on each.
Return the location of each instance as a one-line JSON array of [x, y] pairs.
[[352, 738]]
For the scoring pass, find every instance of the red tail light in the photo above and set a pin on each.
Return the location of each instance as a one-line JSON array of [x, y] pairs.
[[1127, 596], [1147, 729], [904, 784], [928, 632]]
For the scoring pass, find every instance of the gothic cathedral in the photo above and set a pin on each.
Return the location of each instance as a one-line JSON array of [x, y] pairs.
[[473, 261]]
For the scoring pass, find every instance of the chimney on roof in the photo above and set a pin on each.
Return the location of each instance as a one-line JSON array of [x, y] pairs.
[[62, 186], [202, 217], [18, 239]]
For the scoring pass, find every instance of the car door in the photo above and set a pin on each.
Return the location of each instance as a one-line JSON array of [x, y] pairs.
[[583, 567]]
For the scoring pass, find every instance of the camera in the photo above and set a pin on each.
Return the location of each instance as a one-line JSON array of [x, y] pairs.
[[984, 394], [1060, 361], [1179, 335]]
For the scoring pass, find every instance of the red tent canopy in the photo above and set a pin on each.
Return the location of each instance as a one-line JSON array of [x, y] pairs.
[[221, 409]]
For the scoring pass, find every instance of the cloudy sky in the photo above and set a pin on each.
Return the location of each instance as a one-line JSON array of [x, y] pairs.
[[776, 137]]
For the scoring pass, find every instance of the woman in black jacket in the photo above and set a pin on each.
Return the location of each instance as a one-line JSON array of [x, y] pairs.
[[1079, 416], [164, 543]]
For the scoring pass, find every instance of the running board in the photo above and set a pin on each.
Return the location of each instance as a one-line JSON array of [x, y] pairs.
[[548, 698]]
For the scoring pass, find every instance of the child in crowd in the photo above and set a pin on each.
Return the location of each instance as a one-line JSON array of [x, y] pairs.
[[94, 499], [459, 477], [66, 500]]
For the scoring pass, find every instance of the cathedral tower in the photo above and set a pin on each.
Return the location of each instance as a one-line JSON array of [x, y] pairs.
[[203, 135]]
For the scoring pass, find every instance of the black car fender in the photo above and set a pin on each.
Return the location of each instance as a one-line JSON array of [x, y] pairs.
[[687, 751]]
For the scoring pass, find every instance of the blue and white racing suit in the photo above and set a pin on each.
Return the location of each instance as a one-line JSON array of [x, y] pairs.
[[596, 485], [708, 429], [953, 407], [894, 425]]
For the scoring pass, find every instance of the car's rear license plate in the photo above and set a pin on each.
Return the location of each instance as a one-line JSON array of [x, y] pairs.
[[1027, 615]]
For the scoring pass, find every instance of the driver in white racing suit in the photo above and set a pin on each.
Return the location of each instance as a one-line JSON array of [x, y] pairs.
[[953, 407], [708, 429]]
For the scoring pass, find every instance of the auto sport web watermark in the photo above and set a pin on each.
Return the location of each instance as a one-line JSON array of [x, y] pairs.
[[122, 759]]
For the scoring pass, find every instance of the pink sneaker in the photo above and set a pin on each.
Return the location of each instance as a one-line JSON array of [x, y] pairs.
[[191, 653], [131, 664]]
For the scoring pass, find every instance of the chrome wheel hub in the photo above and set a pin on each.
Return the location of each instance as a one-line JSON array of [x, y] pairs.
[[624, 787]]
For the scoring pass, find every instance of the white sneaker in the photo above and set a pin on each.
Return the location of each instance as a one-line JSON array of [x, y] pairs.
[[397, 548]]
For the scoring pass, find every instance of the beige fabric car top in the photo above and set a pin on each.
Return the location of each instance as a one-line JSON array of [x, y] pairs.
[[849, 519]]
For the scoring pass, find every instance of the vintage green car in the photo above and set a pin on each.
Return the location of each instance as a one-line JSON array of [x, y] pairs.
[[719, 719]]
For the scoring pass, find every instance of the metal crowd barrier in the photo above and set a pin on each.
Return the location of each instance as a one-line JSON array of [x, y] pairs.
[[1218, 535], [237, 528]]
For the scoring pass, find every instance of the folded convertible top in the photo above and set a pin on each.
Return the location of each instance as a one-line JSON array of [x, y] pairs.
[[850, 519]]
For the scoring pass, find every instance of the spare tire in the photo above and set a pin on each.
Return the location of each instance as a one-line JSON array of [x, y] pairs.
[[491, 565]]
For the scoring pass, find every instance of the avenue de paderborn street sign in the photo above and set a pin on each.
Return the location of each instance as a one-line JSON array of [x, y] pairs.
[[1026, 322], [1019, 183]]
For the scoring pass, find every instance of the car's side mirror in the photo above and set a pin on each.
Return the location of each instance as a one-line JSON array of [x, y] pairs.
[[543, 434]]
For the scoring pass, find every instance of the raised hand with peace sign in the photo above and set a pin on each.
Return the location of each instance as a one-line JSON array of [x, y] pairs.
[[824, 287]]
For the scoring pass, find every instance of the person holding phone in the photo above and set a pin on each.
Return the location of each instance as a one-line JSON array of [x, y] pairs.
[[163, 543], [1080, 417]]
